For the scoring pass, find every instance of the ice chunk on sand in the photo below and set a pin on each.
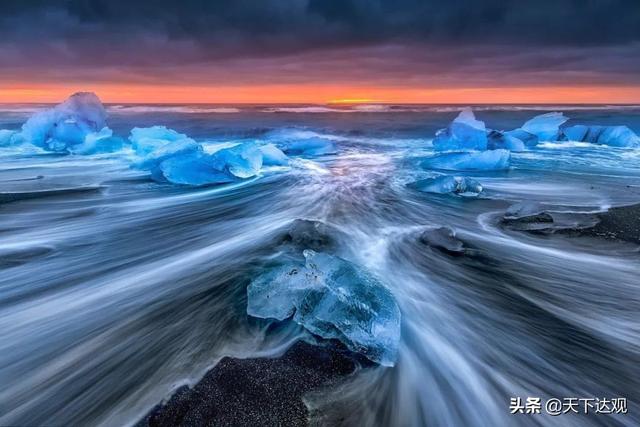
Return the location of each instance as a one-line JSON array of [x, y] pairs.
[[464, 133], [479, 160], [66, 124], [273, 156], [545, 126], [332, 298], [501, 140], [146, 140], [449, 184], [615, 136]]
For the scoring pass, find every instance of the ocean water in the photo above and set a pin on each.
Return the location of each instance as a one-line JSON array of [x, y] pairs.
[[115, 289]]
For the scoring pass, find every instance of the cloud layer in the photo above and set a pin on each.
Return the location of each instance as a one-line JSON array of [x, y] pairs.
[[378, 42]]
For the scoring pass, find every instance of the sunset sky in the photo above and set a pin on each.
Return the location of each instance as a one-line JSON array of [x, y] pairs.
[[317, 51]]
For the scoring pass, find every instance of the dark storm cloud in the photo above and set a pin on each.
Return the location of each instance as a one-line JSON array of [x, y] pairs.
[[296, 39]]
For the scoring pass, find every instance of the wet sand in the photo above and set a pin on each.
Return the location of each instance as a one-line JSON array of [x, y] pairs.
[[255, 392]]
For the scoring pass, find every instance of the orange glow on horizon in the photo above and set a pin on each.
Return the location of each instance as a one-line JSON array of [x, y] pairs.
[[322, 94]]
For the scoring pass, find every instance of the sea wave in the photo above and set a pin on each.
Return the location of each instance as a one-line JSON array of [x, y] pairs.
[[185, 109]]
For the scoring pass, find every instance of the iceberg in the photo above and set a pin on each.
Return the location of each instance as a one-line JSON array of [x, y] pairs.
[[184, 148], [614, 136], [146, 140], [241, 161], [67, 124], [334, 299], [545, 126], [528, 139], [179, 159], [195, 168], [464, 133], [449, 185], [314, 146], [9, 137], [98, 142], [501, 140], [273, 156], [479, 160]]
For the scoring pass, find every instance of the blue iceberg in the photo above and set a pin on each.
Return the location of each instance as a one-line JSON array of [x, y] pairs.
[[334, 299], [197, 168], [479, 160], [545, 126], [501, 140], [176, 158], [98, 142], [314, 146], [273, 156], [447, 184], [10, 137], [241, 161], [528, 139], [146, 140], [66, 125], [614, 136], [464, 133]]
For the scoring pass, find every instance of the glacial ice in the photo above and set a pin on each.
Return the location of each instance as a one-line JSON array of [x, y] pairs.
[[463, 133], [313, 146], [478, 160], [334, 299], [545, 126], [242, 161], [67, 124], [9, 137], [528, 139], [174, 157], [98, 142], [273, 156], [501, 140], [614, 136], [195, 168], [146, 140], [449, 184]]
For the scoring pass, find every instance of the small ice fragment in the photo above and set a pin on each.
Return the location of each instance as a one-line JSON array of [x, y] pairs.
[[614, 136], [242, 160], [334, 299], [463, 133], [273, 156], [479, 160], [98, 142], [314, 146], [545, 126], [501, 140], [528, 139], [146, 140], [9, 137], [449, 184]]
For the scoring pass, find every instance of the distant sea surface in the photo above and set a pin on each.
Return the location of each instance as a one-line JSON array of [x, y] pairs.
[[115, 289]]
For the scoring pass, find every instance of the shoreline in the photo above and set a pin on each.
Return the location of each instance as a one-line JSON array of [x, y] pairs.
[[257, 391]]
